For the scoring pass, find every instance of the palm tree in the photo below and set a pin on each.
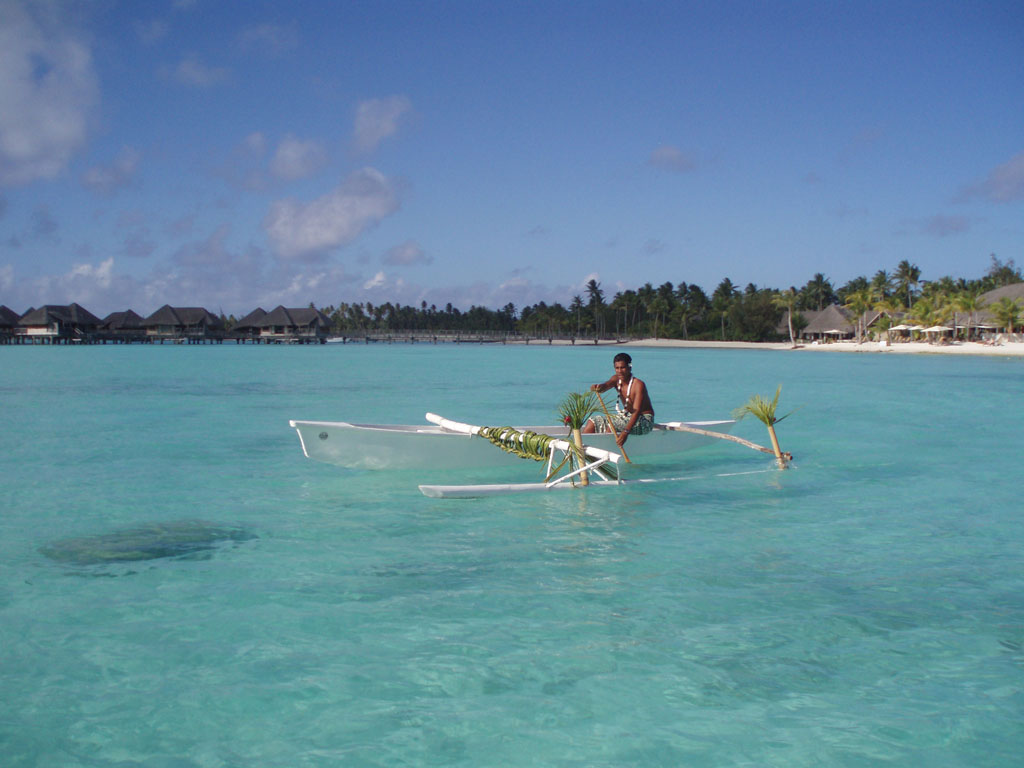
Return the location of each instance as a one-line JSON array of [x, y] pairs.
[[646, 295], [888, 307], [969, 301], [859, 302], [818, 292], [721, 300], [907, 278], [881, 284], [577, 307], [786, 300], [595, 303], [1007, 313], [659, 307]]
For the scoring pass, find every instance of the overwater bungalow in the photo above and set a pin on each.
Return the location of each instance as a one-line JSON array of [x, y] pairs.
[[57, 324], [8, 324], [123, 327], [303, 325], [194, 325], [247, 329]]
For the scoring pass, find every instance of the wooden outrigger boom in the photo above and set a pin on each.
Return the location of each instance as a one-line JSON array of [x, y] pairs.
[[598, 461]]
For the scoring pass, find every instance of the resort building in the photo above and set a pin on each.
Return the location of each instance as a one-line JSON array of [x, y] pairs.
[[247, 329], [123, 327], [8, 324], [57, 324], [194, 325], [301, 325]]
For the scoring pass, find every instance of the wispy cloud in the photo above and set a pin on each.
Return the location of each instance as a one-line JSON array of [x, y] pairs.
[[151, 31], [377, 119], [268, 39], [193, 71], [310, 230], [1004, 184], [297, 159], [671, 158], [110, 178], [944, 226], [48, 90], [406, 254]]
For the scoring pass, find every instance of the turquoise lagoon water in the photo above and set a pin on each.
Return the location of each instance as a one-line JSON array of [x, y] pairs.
[[865, 608]]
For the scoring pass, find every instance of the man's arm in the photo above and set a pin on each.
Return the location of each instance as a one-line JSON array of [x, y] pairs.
[[605, 386]]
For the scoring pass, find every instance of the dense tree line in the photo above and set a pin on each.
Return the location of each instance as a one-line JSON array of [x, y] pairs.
[[687, 311]]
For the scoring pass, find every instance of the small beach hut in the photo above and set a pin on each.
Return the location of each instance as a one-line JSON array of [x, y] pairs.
[[832, 322]]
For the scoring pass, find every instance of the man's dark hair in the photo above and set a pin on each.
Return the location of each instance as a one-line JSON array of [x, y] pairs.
[[622, 357]]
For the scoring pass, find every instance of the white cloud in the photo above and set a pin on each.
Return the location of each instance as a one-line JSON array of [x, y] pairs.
[[376, 281], [87, 284], [48, 89], [377, 119], [268, 39], [406, 254], [191, 70], [6, 277], [309, 230], [108, 179], [1005, 183], [672, 159], [296, 159]]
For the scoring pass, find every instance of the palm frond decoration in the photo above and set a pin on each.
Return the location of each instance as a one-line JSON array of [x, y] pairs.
[[764, 410], [578, 407], [575, 410]]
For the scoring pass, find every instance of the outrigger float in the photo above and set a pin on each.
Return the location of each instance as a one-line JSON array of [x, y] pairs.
[[444, 444]]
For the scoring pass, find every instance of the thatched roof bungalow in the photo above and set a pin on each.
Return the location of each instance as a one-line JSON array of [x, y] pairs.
[[299, 324], [123, 326], [55, 323], [185, 323], [832, 322], [1014, 292], [247, 329], [8, 324]]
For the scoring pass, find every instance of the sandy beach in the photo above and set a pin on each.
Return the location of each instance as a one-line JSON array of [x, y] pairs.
[[1004, 349]]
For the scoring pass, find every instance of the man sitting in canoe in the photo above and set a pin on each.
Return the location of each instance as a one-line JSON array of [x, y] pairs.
[[638, 416]]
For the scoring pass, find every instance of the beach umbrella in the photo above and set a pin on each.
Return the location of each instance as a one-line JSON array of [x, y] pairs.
[[937, 329]]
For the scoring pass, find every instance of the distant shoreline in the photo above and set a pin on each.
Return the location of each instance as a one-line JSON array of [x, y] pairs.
[[1005, 349], [974, 348]]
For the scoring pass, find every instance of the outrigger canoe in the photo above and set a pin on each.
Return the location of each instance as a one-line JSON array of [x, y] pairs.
[[441, 444]]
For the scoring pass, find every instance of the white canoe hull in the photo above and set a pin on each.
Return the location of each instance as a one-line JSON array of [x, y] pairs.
[[407, 446]]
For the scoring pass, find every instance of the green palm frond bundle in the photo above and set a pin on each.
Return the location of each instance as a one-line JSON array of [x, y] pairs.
[[763, 410], [578, 407]]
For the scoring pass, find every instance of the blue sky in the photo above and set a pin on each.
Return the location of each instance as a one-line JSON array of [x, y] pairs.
[[234, 155]]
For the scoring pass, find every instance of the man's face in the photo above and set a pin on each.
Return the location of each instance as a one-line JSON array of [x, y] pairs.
[[622, 369]]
